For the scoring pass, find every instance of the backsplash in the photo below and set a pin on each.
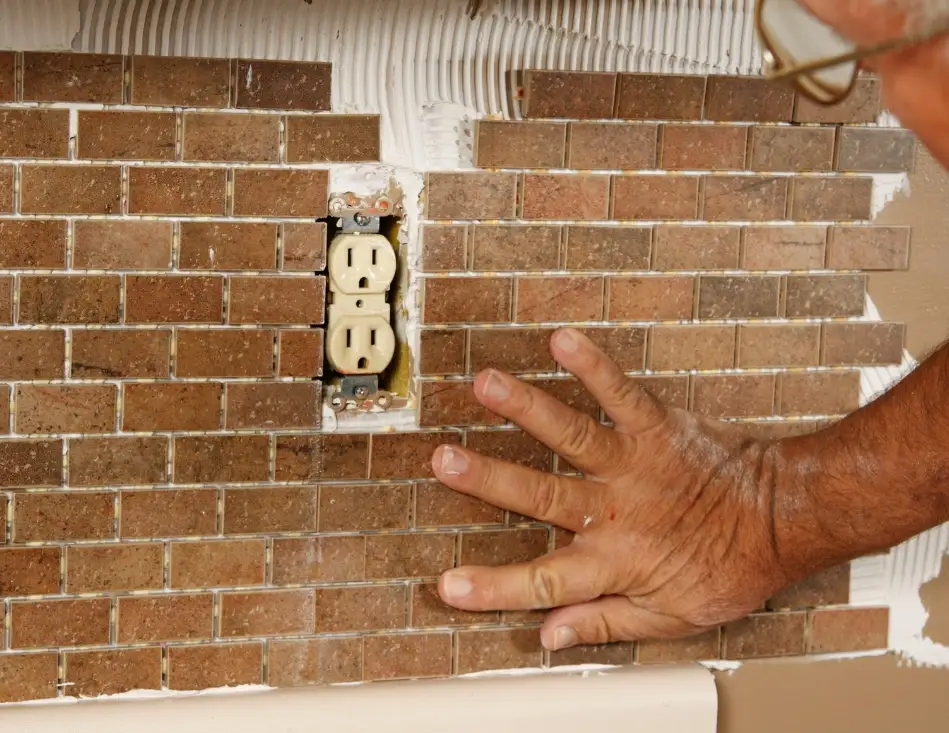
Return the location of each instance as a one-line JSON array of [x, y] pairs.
[[176, 517]]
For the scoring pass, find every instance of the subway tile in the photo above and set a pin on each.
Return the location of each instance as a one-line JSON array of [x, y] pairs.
[[216, 665], [745, 198], [748, 99], [227, 353], [438, 506], [547, 299], [169, 513], [869, 150], [625, 346], [72, 77], [314, 662], [65, 408], [29, 571], [513, 144], [300, 85], [703, 147], [406, 455], [271, 509], [267, 613], [741, 395], [111, 672], [825, 296], [409, 555], [34, 133], [650, 298], [227, 246], [277, 300], [360, 608], [223, 137], [8, 76], [104, 354], [829, 587], [452, 403], [565, 196], [318, 560], [304, 246], [172, 81], [444, 248], [281, 192], [699, 648], [126, 135], [300, 353], [502, 547], [150, 407], [6, 188], [792, 149], [784, 248], [31, 463], [848, 630], [470, 195], [221, 459], [664, 197], [122, 245], [696, 248], [611, 654], [660, 97], [429, 610], [862, 105], [174, 298], [831, 199], [374, 506], [863, 344], [467, 300], [493, 649], [612, 146], [499, 248], [97, 569], [275, 405], [33, 244], [407, 656], [678, 348], [765, 635], [32, 354], [326, 456], [517, 350], [69, 299], [332, 138], [670, 391], [164, 618], [738, 296], [869, 248], [60, 189], [117, 461], [608, 247], [181, 191], [36, 624], [442, 352], [570, 94], [27, 677], [6, 299], [765, 346], [5, 392], [4, 503], [820, 393], [215, 564]]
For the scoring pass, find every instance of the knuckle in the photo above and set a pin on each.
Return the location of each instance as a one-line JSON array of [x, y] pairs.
[[544, 587], [546, 497], [579, 436]]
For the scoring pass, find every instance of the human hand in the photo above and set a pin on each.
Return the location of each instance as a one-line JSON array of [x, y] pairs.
[[675, 517]]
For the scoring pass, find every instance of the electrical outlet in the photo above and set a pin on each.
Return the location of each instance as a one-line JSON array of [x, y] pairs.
[[359, 344], [361, 264]]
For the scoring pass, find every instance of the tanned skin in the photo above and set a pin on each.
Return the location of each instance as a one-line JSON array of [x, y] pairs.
[[684, 523]]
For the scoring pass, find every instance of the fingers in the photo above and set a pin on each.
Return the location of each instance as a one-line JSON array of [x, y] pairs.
[[627, 405], [565, 501]]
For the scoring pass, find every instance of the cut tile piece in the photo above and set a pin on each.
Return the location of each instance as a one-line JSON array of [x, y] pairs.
[[442, 353], [444, 248]]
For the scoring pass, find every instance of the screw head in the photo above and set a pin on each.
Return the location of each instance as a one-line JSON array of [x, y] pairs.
[[361, 392], [361, 219]]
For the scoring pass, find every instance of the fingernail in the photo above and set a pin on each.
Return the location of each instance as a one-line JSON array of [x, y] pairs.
[[567, 341], [564, 637], [453, 462], [495, 388], [456, 585]]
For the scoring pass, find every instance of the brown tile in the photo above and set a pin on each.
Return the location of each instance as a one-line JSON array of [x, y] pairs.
[[825, 296], [513, 446], [784, 248], [32, 354], [90, 674], [570, 94], [479, 651], [332, 138], [869, 150], [763, 347], [765, 635], [318, 560], [650, 298], [612, 146], [328, 456], [360, 609], [104, 354], [787, 149], [444, 248], [550, 299], [503, 547], [503, 144], [696, 248], [33, 244], [861, 106], [25, 677], [31, 463], [165, 618], [6, 188], [229, 353], [408, 555], [612, 654], [61, 189], [516, 350], [828, 588], [180, 82], [677, 348], [468, 300], [277, 300], [703, 147], [217, 665], [4, 503], [314, 662], [869, 248], [565, 196], [273, 509], [740, 395], [625, 346], [671, 391], [125, 135], [745, 198], [304, 247], [303, 85], [703, 647], [429, 610], [92, 569], [5, 391], [267, 613], [281, 192], [570, 392], [439, 506], [227, 246], [150, 407], [215, 564], [821, 393], [452, 403], [174, 513], [219, 136], [498, 248], [117, 461], [122, 245], [8, 76], [174, 299], [6, 299], [406, 455], [848, 630], [863, 344], [474, 195], [59, 623], [831, 199], [738, 296], [34, 133], [221, 459], [277, 405], [407, 656], [660, 97], [182, 191], [29, 571], [748, 99], [608, 248], [376, 506], [72, 77], [65, 409], [80, 515], [655, 197], [69, 299], [300, 353], [442, 352]]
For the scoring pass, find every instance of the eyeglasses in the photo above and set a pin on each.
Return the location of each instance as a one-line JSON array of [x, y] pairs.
[[822, 63]]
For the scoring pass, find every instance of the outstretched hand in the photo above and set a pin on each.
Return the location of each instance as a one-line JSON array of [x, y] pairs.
[[674, 515]]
